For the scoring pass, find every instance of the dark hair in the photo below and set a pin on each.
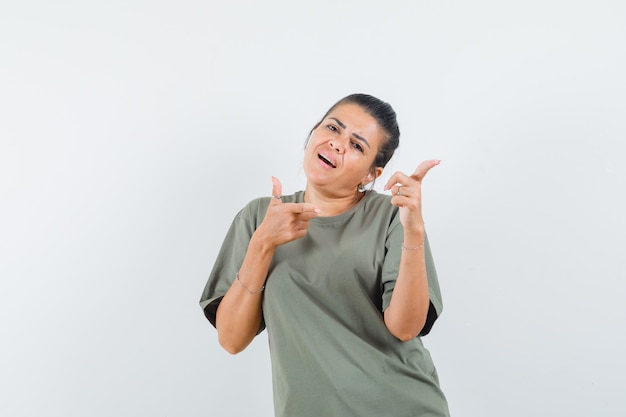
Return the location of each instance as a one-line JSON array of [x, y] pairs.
[[385, 117]]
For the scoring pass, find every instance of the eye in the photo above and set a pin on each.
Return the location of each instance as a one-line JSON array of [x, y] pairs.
[[332, 128], [357, 146]]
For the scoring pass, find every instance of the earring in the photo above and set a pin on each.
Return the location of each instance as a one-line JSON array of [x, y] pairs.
[[361, 188]]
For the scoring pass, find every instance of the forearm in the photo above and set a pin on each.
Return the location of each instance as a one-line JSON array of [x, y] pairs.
[[407, 311], [239, 314]]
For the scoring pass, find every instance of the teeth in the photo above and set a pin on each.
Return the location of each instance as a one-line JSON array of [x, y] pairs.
[[323, 158]]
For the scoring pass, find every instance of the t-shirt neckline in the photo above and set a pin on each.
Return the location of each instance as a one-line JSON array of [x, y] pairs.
[[339, 217]]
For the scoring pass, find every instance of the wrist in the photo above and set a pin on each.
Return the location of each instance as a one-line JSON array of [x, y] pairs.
[[261, 245], [414, 238]]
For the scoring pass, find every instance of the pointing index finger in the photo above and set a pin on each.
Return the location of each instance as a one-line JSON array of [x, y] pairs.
[[309, 208], [305, 209], [395, 179], [423, 168]]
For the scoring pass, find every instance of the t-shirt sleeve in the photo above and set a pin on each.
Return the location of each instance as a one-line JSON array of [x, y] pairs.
[[228, 261], [390, 273]]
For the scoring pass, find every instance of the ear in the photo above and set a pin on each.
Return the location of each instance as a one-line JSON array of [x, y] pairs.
[[372, 175]]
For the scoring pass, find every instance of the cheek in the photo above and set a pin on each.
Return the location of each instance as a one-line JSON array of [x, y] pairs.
[[361, 166], [318, 137]]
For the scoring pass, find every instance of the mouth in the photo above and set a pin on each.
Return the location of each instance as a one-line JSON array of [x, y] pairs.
[[326, 160]]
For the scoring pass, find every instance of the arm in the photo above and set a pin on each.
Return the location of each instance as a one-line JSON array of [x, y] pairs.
[[407, 311], [239, 314]]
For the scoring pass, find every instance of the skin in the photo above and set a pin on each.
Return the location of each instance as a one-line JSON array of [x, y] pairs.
[[349, 139], [406, 315]]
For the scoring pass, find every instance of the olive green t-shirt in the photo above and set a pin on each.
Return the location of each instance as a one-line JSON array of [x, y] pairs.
[[323, 305]]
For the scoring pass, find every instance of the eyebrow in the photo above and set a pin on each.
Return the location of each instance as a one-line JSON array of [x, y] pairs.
[[356, 135]]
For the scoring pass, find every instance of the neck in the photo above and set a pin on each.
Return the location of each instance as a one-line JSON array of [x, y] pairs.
[[331, 205]]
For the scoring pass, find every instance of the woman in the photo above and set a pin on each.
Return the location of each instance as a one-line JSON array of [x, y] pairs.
[[342, 277]]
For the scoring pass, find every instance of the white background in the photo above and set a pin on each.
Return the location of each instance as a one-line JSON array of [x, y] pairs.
[[133, 131]]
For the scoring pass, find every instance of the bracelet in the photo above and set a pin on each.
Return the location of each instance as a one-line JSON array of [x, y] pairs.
[[415, 248], [248, 289]]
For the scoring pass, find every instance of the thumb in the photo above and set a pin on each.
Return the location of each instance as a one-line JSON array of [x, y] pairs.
[[277, 190]]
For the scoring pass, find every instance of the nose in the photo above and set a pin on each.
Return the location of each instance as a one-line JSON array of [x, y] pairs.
[[337, 145]]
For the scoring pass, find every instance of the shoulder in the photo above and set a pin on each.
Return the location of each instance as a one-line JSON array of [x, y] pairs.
[[254, 210], [379, 205], [255, 205], [374, 197]]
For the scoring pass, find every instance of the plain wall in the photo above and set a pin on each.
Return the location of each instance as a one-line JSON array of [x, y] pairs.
[[132, 132]]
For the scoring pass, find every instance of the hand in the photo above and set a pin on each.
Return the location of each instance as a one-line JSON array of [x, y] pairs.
[[407, 195], [285, 222]]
